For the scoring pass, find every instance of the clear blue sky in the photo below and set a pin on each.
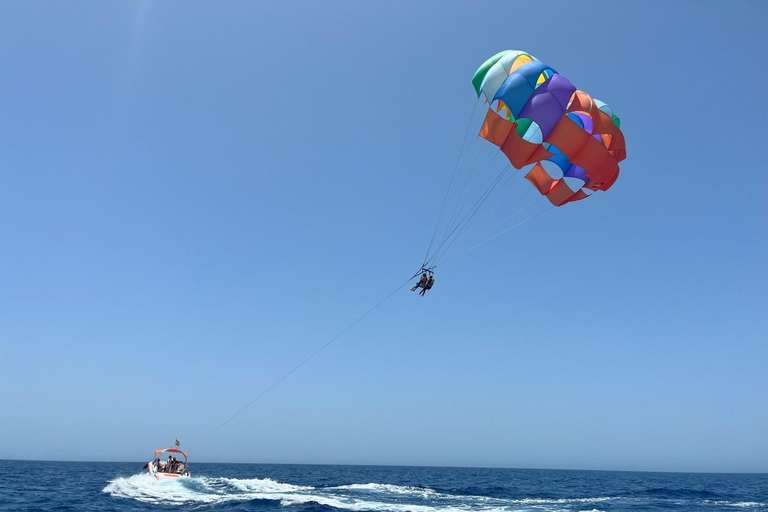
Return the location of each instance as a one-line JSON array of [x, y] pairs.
[[194, 196]]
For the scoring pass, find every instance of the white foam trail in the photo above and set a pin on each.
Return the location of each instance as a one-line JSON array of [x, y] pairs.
[[388, 488], [365, 506], [369, 497], [556, 501], [145, 488], [261, 485], [740, 504]]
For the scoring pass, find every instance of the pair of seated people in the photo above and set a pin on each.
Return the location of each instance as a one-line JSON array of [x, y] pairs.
[[171, 466], [425, 283]]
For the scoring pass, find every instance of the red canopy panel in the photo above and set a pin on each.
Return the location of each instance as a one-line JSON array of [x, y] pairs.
[[502, 133], [601, 123], [559, 193], [578, 196], [568, 137], [540, 179]]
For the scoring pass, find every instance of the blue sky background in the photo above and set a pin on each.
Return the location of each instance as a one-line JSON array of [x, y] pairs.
[[195, 196]]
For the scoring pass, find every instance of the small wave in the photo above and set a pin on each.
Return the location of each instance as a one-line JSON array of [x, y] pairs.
[[560, 501], [680, 493], [365, 506], [740, 504], [426, 492], [261, 485], [388, 488]]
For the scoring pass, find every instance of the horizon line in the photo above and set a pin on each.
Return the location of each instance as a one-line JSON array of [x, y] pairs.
[[408, 466]]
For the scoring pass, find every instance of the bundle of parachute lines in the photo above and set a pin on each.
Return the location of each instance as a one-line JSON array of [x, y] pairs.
[[567, 143]]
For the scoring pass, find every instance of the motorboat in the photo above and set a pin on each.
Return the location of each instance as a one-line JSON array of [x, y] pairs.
[[170, 468]]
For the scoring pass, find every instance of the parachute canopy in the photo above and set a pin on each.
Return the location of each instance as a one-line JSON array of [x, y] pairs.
[[536, 114], [566, 143]]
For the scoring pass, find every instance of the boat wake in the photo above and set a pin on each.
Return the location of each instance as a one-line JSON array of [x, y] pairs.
[[355, 497]]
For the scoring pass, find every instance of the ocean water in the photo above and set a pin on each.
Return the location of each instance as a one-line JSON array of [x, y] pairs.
[[100, 486]]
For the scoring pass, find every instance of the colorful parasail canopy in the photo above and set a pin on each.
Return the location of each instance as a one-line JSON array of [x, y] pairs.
[[536, 115]]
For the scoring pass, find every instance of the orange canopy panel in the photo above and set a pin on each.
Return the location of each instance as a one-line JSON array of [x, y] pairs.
[[495, 128], [568, 137], [559, 193], [602, 123], [591, 157], [540, 179], [502, 133], [520, 152], [576, 197], [581, 102], [604, 178]]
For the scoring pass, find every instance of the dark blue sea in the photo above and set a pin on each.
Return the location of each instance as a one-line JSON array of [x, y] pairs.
[[101, 486]]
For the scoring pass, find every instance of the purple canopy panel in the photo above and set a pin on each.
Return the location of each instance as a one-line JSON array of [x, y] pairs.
[[585, 120], [548, 102], [561, 88], [574, 171]]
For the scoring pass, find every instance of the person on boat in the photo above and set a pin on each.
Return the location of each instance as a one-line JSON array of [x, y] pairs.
[[428, 286], [422, 282]]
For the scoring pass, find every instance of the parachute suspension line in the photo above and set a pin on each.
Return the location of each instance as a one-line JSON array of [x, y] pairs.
[[501, 233], [306, 360], [467, 218], [513, 174], [473, 156], [527, 219], [464, 176], [446, 251], [462, 224], [500, 225], [433, 258], [460, 178], [453, 176], [516, 212], [472, 177], [474, 173]]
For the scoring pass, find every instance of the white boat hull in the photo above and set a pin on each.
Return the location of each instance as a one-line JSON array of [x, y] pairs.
[[160, 475]]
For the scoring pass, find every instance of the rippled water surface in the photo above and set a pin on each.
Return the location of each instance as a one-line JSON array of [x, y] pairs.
[[298, 488]]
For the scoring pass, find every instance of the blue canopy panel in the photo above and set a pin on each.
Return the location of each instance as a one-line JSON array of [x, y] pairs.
[[569, 169], [560, 159], [518, 87]]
